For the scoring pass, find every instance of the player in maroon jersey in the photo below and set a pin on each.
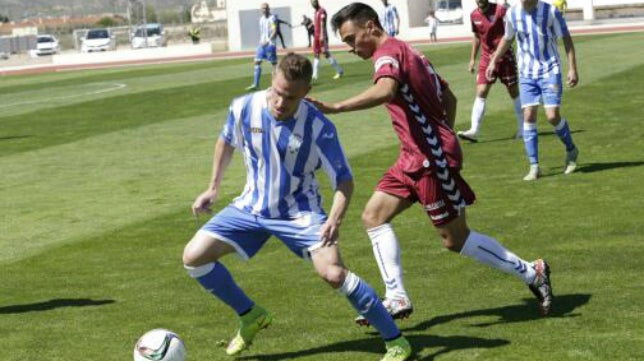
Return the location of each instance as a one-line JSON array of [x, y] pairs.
[[488, 28], [422, 109], [321, 42]]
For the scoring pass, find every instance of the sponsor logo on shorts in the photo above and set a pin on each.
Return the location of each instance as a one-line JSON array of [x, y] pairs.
[[440, 216], [434, 206]]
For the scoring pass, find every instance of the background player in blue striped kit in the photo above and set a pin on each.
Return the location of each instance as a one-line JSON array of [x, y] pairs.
[[284, 140], [537, 25], [267, 48], [389, 19]]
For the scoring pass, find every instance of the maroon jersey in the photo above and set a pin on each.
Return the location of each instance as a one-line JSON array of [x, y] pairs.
[[489, 26], [319, 21], [417, 112]]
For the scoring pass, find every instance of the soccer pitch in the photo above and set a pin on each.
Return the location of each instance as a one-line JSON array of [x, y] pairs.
[[99, 169]]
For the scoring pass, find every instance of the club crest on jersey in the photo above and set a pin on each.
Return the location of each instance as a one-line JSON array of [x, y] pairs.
[[294, 143]]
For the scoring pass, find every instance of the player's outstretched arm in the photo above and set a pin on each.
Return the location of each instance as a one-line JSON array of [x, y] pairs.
[[476, 44], [381, 92], [342, 197], [223, 154], [573, 77]]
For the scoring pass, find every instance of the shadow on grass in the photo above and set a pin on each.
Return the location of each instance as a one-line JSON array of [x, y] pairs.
[[598, 167], [11, 137], [53, 304], [541, 134], [375, 345], [563, 306]]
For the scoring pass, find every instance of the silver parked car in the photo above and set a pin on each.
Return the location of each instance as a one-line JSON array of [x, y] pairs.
[[98, 40]]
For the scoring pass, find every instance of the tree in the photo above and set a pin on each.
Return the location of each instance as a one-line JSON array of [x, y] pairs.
[[106, 22], [151, 14]]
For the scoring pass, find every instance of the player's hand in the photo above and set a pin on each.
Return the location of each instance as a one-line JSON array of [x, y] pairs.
[[329, 233], [489, 72], [324, 107], [572, 79], [471, 66], [203, 202]]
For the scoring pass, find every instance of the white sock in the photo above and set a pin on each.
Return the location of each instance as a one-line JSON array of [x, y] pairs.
[[478, 111], [316, 67], [490, 252], [387, 253], [335, 64], [519, 113]]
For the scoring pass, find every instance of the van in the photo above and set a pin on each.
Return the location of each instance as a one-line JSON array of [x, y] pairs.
[[449, 11], [150, 35]]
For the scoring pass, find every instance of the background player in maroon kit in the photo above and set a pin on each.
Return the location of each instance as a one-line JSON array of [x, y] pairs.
[[488, 28], [427, 171], [321, 42]]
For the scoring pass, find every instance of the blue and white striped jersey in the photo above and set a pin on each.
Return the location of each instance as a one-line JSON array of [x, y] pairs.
[[267, 27], [388, 19], [537, 33], [281, 157]]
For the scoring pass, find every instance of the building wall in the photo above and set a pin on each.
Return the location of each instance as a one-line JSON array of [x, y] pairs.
[[412, 15]]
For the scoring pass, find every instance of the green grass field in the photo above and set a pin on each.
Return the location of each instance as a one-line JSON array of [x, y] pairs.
[[99, 169]]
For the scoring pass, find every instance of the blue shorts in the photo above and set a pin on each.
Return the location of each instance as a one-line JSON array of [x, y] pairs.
[[533, 91], [267, 52], [247, 233]]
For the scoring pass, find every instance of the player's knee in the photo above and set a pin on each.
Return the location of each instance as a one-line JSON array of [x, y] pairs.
[[192, 255], [189, 257], [333, 275], [370, 218]]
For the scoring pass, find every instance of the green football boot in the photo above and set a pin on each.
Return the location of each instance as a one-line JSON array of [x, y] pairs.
[[249, 325], [397, 350]]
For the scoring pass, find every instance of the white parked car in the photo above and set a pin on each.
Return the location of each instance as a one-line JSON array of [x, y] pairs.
[[449, 11], [47, 45], [98, 40], [154, 34]]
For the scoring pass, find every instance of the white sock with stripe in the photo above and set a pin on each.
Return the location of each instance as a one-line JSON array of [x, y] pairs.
[[487, 250], [316, 67], [387, 253], [478, 111]]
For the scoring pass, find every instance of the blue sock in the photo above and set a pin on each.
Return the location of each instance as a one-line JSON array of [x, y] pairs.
[[563, 131], [257, 74], [216, 279], [531, 141], [365, 300]]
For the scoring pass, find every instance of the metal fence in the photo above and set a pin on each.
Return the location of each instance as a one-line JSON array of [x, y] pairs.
[[17, 44]]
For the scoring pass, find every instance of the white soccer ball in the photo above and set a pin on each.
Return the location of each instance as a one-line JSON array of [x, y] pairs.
[[159, 345]]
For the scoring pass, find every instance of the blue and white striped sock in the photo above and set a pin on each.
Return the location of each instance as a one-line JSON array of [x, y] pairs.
[[257, 75], [531, 141], [365, 300], [563, 132], [216, 279]]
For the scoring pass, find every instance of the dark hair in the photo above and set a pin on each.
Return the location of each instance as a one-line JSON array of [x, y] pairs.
[[359, 13], [295, 67]]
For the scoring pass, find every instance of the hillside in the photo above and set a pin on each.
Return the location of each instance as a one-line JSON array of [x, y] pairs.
[[19, 9]]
